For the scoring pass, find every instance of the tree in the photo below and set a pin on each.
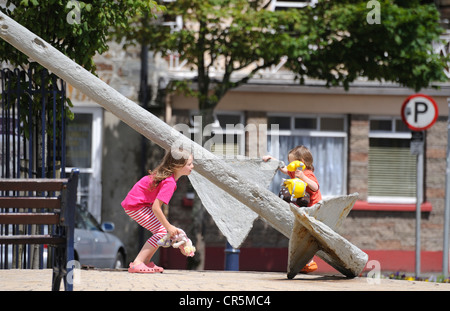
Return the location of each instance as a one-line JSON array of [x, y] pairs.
[[332, 41], [79, 29], [237, 35], [397, 48]]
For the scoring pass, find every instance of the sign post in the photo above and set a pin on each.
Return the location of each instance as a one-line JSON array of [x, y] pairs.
[[419, 112], [445, 251]]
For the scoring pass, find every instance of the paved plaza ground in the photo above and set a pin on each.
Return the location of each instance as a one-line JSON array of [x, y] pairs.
[[215, 290], [188, 280]]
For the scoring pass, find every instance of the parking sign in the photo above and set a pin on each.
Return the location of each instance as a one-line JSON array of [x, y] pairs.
[[419, 112]]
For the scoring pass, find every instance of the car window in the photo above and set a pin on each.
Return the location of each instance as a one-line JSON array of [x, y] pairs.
[[88, 220], [79, 223]]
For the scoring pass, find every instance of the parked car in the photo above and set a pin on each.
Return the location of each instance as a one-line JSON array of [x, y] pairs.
[[94, 245]]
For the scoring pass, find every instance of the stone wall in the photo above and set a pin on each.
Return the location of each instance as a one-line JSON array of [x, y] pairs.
[[358, 155]]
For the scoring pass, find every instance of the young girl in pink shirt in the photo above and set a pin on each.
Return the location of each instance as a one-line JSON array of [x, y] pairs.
[[144, 201]]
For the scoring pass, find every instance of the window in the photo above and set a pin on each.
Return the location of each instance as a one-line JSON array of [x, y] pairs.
[[284, 123], [392, 168], [304, 123], [324, 135], [84, 151], [225, 137]]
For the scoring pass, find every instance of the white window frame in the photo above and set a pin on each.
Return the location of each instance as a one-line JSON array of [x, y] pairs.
[[392, 134], [95, 171]]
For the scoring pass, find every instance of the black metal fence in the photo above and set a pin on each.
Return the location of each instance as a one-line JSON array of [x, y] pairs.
[[32, 136], [32, 124]]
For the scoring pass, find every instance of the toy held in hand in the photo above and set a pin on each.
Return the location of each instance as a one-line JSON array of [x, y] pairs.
[[180, 241], [188, 249], [296, 165], [296, 187], [294, 190]]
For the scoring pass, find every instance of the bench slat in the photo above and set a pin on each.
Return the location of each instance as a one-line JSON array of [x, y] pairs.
[[37, 184], [32, 239], [30, 202], [29, 218]]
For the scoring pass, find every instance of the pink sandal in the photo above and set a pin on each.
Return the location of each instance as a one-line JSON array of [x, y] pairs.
[[140, 268], [155, 267]]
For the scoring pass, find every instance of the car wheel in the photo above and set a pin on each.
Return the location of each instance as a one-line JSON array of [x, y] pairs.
[[119, 263]]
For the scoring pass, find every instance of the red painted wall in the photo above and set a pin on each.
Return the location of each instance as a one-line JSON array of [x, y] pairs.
[[275, 260]]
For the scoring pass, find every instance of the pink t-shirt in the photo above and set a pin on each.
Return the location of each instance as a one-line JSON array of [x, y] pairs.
[[141, 195]]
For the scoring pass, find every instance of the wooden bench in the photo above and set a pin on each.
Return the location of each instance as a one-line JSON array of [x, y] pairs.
[[42, 202]]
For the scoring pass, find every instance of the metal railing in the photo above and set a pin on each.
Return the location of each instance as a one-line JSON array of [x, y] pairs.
[[32, 136], [32, 127]]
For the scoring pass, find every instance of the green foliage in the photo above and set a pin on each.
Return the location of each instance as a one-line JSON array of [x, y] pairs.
[[398, 49], [79, 29], [333, 42], [234, 33]]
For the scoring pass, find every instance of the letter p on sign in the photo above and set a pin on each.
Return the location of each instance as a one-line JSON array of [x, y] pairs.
[[419, 112]]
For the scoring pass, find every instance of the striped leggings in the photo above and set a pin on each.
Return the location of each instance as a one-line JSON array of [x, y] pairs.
[[145, 217]]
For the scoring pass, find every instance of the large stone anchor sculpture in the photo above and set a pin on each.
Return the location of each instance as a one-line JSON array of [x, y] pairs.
[[311, 230]]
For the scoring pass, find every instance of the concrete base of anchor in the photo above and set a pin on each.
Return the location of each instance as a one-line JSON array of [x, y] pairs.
[[314, 233]]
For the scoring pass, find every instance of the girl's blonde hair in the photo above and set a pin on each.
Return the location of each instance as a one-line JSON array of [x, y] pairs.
[[173, 159], [302, 153]]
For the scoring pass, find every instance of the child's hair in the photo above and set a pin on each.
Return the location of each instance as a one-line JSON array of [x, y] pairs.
[[173, 159], [302, 153]]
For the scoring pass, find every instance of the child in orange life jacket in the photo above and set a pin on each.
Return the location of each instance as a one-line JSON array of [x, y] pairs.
[[303, 154]]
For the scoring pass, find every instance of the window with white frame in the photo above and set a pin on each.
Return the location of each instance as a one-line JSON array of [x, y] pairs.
[[84, 151], [324, 135], [225, 137], [392, 167]]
